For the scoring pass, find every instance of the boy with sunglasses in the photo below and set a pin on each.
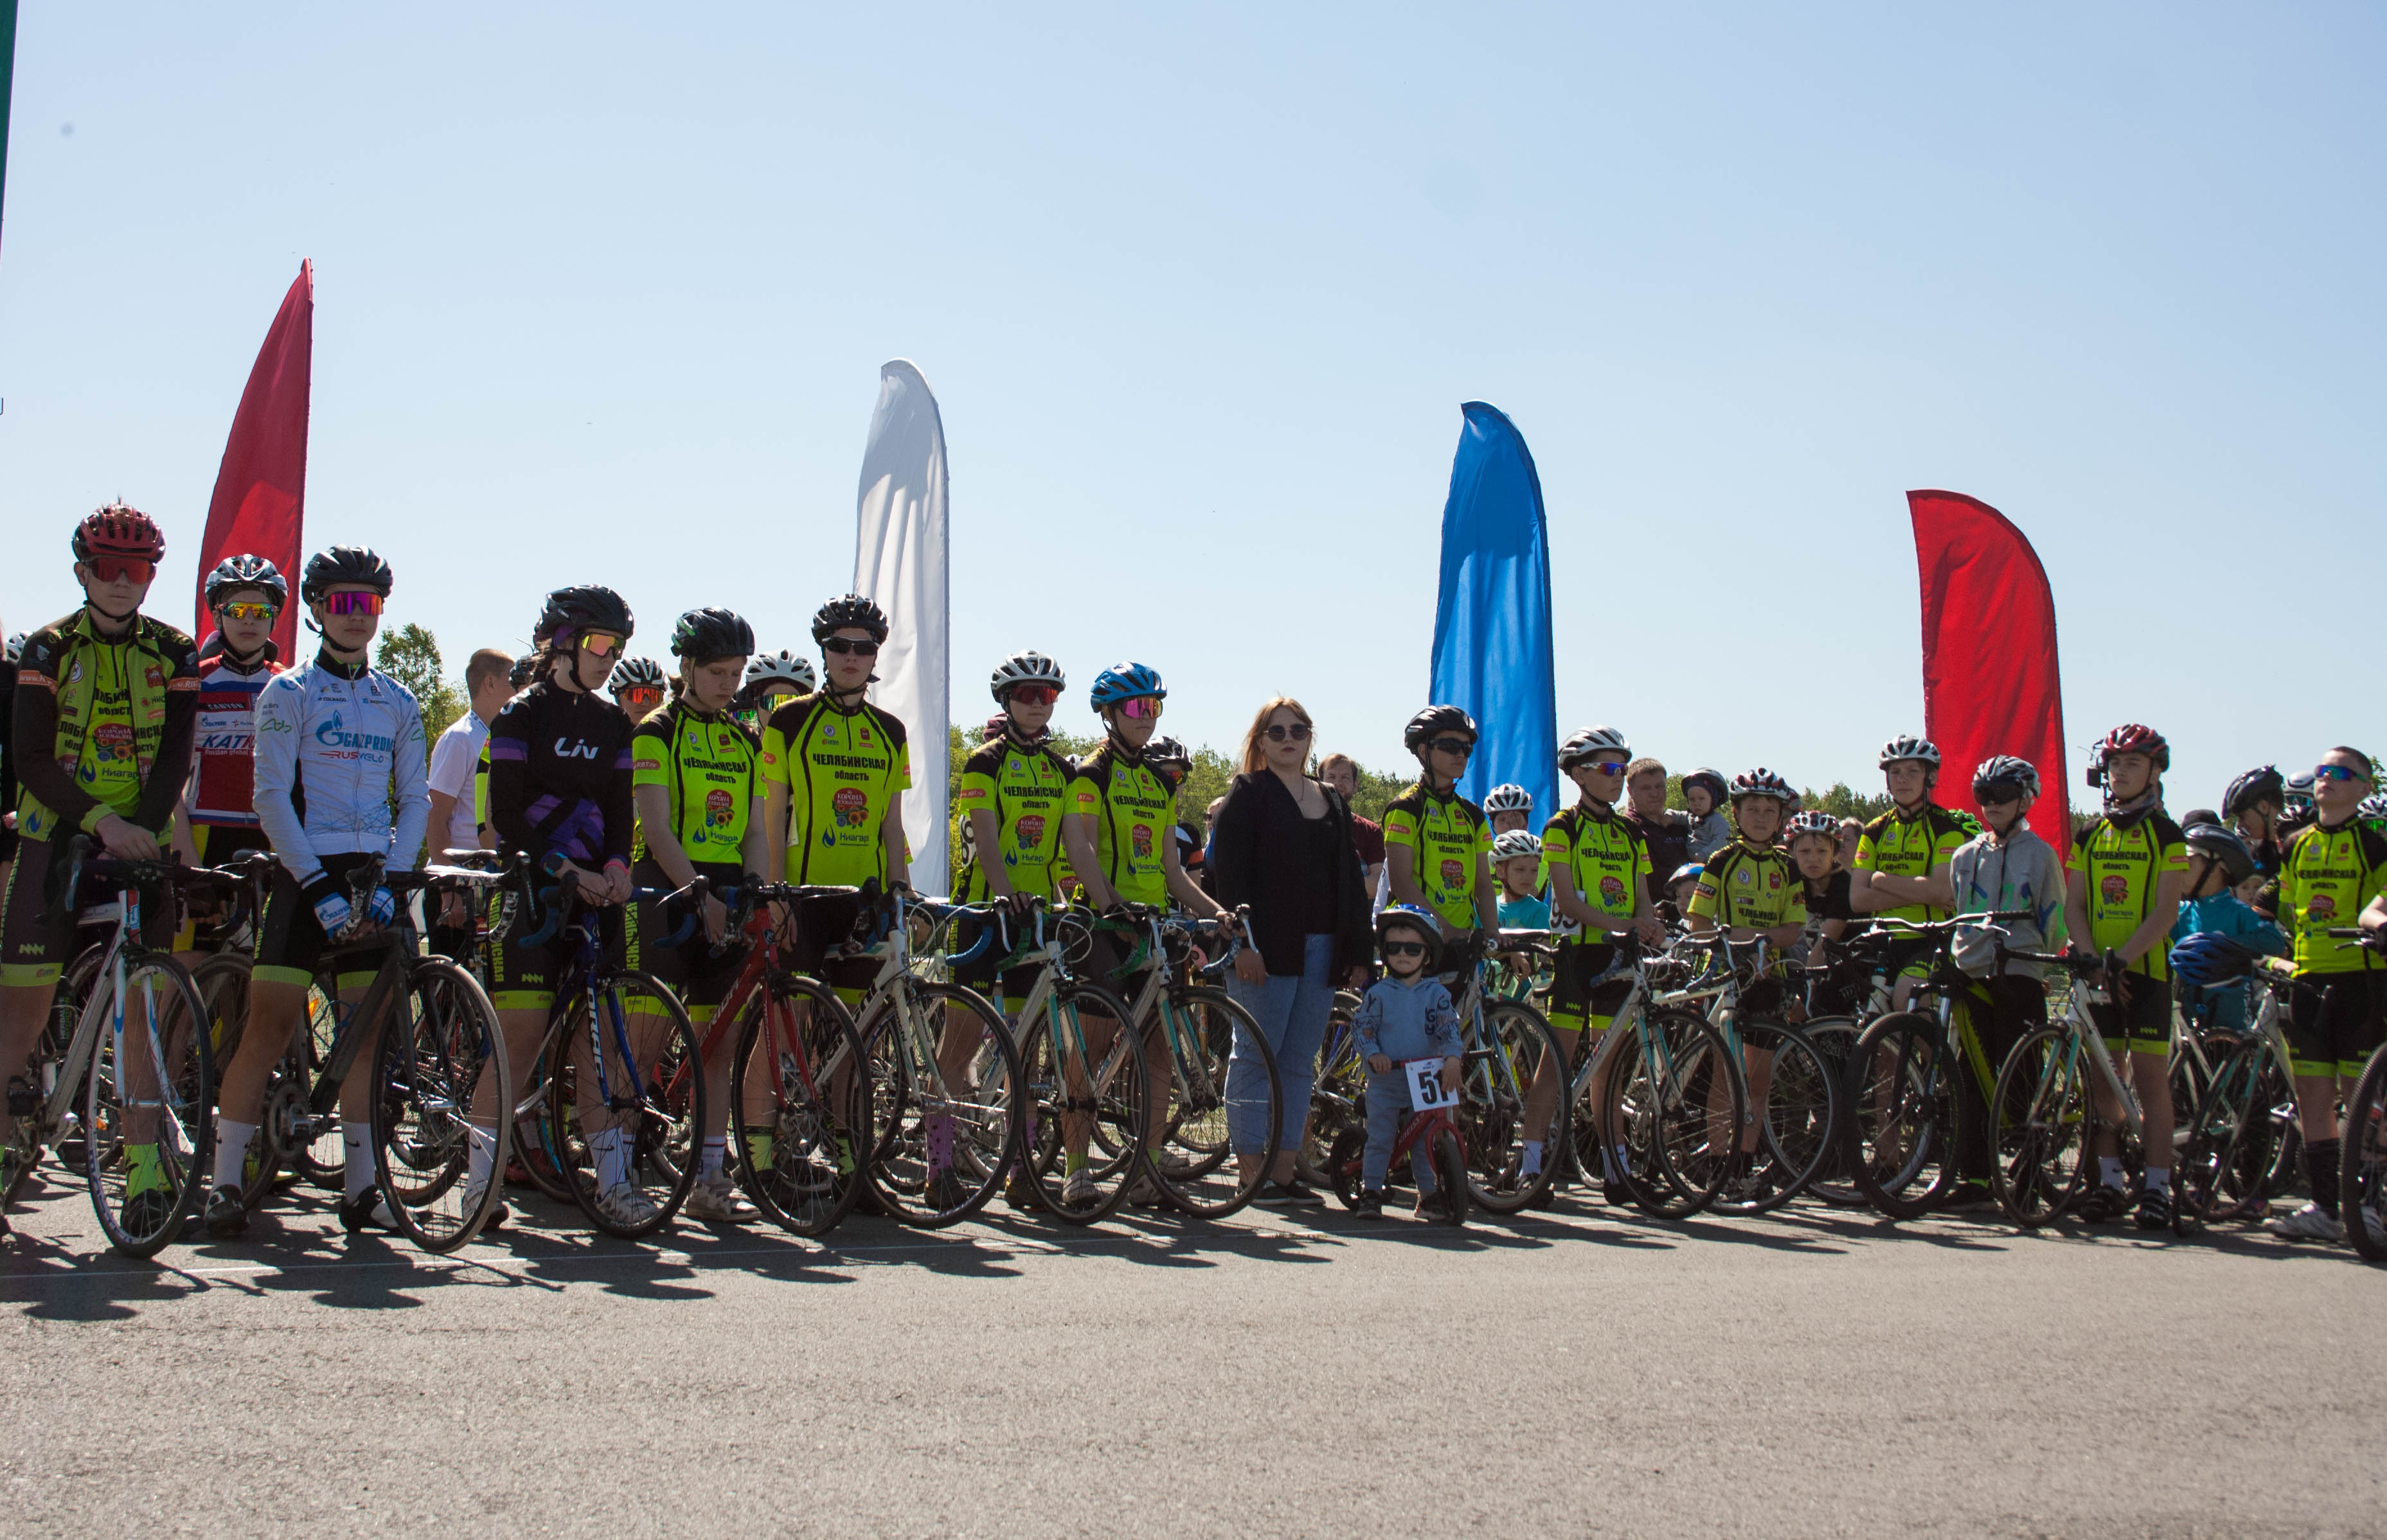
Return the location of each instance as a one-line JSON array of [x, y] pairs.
[[1406, 1015], [105, 703]]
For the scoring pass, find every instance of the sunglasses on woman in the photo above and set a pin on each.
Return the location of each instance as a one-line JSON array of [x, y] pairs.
[[1278, 732], [850, 647], [1034, 695], [1140, 708], [352, 602], [1453, 745], [601, 644], [249, 612]]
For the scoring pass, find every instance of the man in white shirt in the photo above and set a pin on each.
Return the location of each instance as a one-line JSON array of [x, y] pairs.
[[454, 760]]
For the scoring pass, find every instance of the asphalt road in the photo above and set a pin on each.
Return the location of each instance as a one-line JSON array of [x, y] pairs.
[[1584, 1372]]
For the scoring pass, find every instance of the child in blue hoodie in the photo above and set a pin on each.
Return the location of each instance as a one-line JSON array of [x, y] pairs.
[[1407, 1015], [2219, 864]]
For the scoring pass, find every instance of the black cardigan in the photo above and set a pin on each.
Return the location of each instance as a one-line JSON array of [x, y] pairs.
[[1258, 825]]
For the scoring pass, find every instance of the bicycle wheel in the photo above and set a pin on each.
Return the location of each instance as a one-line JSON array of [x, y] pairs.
[[629, 1168], [1334, 1095], [148, 1132], [801, 1089], [1673, 1093], [1901, 1117], [1084, 1077], [941, 1145], [1341, 1170], [1798, 1124], [1834, 1037], [1198, 1169], [323, 1160], [1450, 1174], [2364, 1149], [535, 1140], [438, 1048], [1491, 1111], [2040, 1122]]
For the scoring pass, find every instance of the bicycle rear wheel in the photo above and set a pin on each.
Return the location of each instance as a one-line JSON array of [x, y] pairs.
[[631, 1164], [1450, 1174], [802, 1094], [1491, 1111], [2359, 1167], [942, 1146], [438, 1048], [1198, 1169], [1086, 1078], [2041, 1114], [1901, 1117], [1797, 1127], [148, 1132], [1671, 1095], [1834, 1037]]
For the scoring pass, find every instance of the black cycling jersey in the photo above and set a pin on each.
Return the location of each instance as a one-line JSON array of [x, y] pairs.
[[559, 776]]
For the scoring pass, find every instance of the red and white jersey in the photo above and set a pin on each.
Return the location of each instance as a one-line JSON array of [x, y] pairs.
[[223, 775]]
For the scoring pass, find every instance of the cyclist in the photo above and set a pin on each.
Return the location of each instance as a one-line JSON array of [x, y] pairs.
[[1704, 793], [772, 680], [1902, 865], [1813, 840], [517, 680], [1517, 862], [2005, 868], [2254, 804], [2128, 873], [560, 794], [1749, 889], [1011, 796], [2332, 870], [698, 800], [1116, 834], [1437, 844], [341, 782], [106, 700], [2218, 863], [1508, 809], [217, 818], [1599, 888], [637, 688]]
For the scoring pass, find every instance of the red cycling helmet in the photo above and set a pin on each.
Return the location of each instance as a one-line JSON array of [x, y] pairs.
[[2129, 739], [118, 530]]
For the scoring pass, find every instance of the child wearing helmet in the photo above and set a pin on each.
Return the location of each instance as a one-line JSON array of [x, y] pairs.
[[1813, 840], [1517, 863], [1749, 889], [1406, 1015], [2219, 864], [1704, 793], [1509, 810], [1902, 865]]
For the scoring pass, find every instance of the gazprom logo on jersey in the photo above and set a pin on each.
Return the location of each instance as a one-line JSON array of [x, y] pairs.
[[331, 737]]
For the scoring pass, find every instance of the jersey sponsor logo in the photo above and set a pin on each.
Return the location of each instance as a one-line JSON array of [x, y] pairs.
[[1453, 874], [645, 764], [578, 748], [1139, 840], [1773, 882], [335, 735], [1612, 890], [718, 808], [155, 681], [850, 807], [2114, 889], [850, 762], [1028, 833], [224, 743], [2322, 907], [1744, 876]]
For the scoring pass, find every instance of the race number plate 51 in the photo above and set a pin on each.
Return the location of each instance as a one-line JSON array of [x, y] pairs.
[[1424, 1077]]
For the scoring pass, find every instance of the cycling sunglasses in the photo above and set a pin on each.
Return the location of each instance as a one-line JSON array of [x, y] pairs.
[[2337, 772], [352, 602], [1452, 745], [1404, 949], [1140, 707], [1033, 695], [1278, 732], [249, 612], [1606, 767], [602, 644], [120, 569], [847, 646], [642, 695]]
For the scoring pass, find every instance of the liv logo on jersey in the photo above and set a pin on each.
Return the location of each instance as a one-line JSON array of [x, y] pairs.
[[577, 750]]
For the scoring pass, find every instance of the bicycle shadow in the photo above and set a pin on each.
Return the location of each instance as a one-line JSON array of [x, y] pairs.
[[78, 1288]]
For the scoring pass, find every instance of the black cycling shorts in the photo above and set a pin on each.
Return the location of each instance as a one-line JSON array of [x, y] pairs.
[[525, 977], [290, 941], [1575, 1003], [695, 971], [2143, 1026], [38, 936], [212, 918], [2333, 1022], [978, 973]]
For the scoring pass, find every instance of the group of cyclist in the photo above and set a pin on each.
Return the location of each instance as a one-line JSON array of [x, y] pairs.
[[621, 785]]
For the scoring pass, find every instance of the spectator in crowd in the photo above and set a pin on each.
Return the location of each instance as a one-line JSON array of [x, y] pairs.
[[1341, 773], [1704, 793], [1663, 832], [455, 759]]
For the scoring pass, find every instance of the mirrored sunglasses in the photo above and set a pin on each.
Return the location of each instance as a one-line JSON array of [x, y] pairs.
[[352, 602], [601, 644], [643, 695], [1141, 707], [2337, 772], [121, 569], [247, 612], [1034, 695]]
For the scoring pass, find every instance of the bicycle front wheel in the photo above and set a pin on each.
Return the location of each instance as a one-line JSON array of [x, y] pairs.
[[625, 1151], [1491, 1111], [148, 1134], [943, 1142], [2360, 1169], [1674, 1101], [1798, 1123], [1901, 1119], [802, 1091], [2039, 1125], [1834, 1037], [1211, 1099], [1088, 1084], [437, 1049]]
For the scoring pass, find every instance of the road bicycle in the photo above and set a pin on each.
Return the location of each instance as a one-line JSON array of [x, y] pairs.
[[2239, 1137], [2046, 1113], [1507, 1044]]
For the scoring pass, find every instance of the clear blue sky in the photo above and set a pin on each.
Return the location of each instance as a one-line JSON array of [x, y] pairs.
[[602, 293]]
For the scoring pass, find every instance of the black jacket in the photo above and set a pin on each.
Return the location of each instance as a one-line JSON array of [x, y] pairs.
[[1261, 822]]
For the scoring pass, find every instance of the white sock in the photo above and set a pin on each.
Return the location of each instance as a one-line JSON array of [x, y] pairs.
[[480, 1154], [232, 1152], [1532, 1162], [356, 1139], [606, 1154], [715, 1152], [2109, 1171], [2159, 1178]]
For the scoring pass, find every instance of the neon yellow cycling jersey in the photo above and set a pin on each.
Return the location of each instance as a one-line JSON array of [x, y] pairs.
[[2124, 868], [1025, 789], [2327, 876], [1744, 887], [707, 763], [1902, 844], [842, 771], [1610, 865], [1448, 840], [1134, 815]]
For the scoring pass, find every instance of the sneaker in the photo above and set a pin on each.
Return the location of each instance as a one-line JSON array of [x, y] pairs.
[[1546, 1197], [1370, 1205], [944, 1193], [498, 1212], [625, 1205], [1146, 1193], [715, 1200], [1429, 1206], [145, 1214], [2154, 1209], [1286, 1194], [1972, 1192], [2309, 1223], [2105, 1204], [1747, 1187], [1614, 1193], [1079, 1191], [365, 1211], [226, 1215], [2374, 1227], [1019, 1189]]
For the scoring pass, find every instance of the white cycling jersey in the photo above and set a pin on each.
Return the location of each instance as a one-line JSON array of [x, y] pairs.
[[335, 755]]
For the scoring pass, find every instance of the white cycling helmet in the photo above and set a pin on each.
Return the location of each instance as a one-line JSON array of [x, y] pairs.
[[1514, 843], [1025, 668], [632, 673], [782, 667], [1509, 798], [1812, 822], [1590, 743], [1907, 745]]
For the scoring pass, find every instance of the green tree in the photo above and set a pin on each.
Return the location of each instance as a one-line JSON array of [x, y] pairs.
[[411, 656]]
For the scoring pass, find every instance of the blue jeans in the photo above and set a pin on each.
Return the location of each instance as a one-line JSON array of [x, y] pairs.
[[1292, 1010], [1388, 1106]]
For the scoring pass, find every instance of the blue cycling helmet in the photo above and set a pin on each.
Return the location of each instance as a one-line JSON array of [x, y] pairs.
[[2208, 958], [1414, 918], [1125, 682]]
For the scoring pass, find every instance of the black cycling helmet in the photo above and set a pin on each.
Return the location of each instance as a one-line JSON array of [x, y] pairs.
[[704, 636], [2261, 782], [1433, 722], [586, 607], [2218, 844], [353, 567], [520, 674], [234, 573], [1719, 791], [846, 611]]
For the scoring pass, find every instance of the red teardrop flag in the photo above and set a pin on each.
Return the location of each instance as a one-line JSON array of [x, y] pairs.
[[260, 497], [1990, 678]]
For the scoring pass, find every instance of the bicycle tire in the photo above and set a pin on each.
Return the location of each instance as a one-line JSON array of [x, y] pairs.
[[2039, 1133], [1343, 1165], [1661, 1110], [1198, 1168], [985, 1118], [436, 1048], [2359, 1167], [656, 1159], [1798, 1127], [323, 1160], [1834, 1037], [1450, 1174], [816, 1117], [1114, 1090], [2216, 1146], [183, 1070], [1902, 1105], [222, 981], [1334, 1095], [1491, 1111]]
